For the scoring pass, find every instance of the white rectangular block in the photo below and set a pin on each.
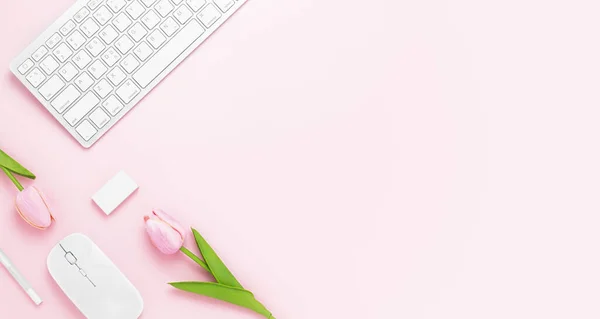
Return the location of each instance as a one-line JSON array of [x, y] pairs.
[[115, 192]]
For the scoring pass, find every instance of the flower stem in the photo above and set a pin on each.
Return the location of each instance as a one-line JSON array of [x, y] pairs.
[[195, 258], [12, 178]]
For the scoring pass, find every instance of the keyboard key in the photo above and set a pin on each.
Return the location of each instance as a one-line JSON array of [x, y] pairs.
[[163, 7], [68, 71], [113, 105], [53, 41], [224, 5], [116, 76], [109, 34], [51, 87], [196, 4], [99, 117], [81, 14], [130, 63], [65, 98], [148, 3], [49, 65], [76, 40], [82, 59], [143, 51], [156, 39], [26, 66], [102, 15], [169, 27], [122, 22], [128, 91], [81, 108], [67, 27], [135, 10], [110, 57], [63, 52], [93, 4], [209, 15], [151, 19], [95, 47], [116, 5], [84, 81], [89, 27], [39, 53], [86, 130], [103, 88], [163, 58], [124, 44], [137, 32], [97, 69], [183, 14], [176, 1], [36, 77]]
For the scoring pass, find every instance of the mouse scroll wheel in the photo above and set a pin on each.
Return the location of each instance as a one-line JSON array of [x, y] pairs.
[[71, 258]]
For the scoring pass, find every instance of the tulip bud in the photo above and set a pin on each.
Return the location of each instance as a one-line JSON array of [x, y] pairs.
[[165, 232], [32, 207]]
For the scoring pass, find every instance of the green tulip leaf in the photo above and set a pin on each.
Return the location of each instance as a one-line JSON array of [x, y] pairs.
[[216, 265], [13, 166], [236, 296]]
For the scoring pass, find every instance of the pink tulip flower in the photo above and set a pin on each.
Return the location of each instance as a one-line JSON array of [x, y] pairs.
[[33, 208], [165, 232]]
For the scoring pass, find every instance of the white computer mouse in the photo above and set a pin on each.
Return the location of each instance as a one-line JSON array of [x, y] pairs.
[[91, 280]]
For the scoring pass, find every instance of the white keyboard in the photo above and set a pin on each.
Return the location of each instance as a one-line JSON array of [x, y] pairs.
[[102, 57]]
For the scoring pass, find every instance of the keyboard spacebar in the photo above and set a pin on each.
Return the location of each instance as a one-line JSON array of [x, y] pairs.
[[165, 56]]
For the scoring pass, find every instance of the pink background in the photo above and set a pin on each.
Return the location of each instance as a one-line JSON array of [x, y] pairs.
[[347, 159]]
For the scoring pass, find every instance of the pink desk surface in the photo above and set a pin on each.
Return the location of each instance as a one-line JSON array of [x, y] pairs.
[[347, 159]]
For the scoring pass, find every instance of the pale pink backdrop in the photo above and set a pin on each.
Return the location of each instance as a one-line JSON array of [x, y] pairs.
[[348, 159]]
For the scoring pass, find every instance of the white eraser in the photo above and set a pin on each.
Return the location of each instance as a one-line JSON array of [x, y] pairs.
[[115, 192]]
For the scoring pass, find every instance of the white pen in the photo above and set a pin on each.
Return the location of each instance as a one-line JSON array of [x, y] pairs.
[[19, 278]]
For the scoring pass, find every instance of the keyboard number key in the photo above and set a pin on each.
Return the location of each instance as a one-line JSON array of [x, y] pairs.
[[84, 81], [81, 14], [130, 63], [68, 71], [53, 41], [116, 76], [51, 87], [63, 52], [116, 5], [103, 88], [128, 91], [143, 51], [49, 65], [151, 19], [36, 77], [135, 10], [102, 15], [156, 39], [122, 22], [183, 14], [99, 118], [67, 27], [209, 15], [76, 40], [26, 66], [137, 32], [164, 7], [109, 34], [224, 5], [82, 59], [169, 27], [39, 53], [97, 69], [89, 27], [196, 4], [86, 130], [113, 105]]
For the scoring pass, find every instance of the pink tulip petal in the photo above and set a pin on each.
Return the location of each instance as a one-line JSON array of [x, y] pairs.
[[33, 209], [164, 237], [169, 220]]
